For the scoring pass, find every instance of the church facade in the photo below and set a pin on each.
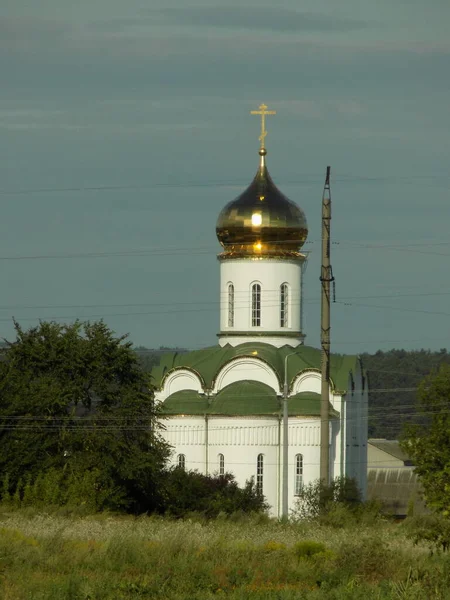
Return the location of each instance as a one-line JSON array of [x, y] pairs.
[[224, 403]]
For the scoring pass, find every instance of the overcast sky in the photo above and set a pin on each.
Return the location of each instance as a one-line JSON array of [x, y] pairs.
[[125, 127]]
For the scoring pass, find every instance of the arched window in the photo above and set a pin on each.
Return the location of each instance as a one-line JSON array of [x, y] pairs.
[[230, 305], [221, 464], [256, 305], [284, 301], [298, 481], [259, 473], [181, 460]]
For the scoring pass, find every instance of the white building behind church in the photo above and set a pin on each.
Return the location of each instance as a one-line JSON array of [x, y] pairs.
[[223, 403]]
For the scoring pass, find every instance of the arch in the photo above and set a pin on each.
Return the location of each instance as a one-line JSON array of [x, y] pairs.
[[230, 305], [177, 380], [221, 461], [260, 473], [249, 368], [298, 474], [309, 380], [284, 305], [256, 304], [181, 461]]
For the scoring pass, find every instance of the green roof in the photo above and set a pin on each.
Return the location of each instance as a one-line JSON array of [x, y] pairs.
[[208, 362], [186, 402], [245, 398], [242, 398]]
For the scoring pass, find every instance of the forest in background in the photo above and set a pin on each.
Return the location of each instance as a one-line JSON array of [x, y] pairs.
[[394, 376]]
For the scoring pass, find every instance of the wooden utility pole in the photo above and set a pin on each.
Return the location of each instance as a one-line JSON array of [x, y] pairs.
[[326, 277]]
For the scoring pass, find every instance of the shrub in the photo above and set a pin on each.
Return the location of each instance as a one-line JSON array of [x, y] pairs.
[[192, 492], [316, 499], [308, 548], [433, 530]]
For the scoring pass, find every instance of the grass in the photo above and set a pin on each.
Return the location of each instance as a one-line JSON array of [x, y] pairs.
[[106, 557]]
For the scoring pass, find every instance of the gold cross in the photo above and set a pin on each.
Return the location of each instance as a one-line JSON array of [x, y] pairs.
[[263, 112]]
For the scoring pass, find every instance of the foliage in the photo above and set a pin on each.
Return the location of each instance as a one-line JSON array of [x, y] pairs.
[[432, 529], [120, 558], [77, 406], [308, 548], [150, 357], [428, 444], [188, 492], [316, 499], [390, 372]]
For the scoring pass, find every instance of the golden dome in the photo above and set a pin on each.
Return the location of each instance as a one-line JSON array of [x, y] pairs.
[[262, 221]]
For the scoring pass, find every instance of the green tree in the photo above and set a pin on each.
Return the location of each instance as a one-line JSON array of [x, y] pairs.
[[75, 398], [428, 443]]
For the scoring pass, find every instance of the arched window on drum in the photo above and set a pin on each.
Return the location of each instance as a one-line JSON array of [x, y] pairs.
[[284, 305], [230, 305]]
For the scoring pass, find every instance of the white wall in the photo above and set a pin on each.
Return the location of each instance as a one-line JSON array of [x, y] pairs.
[[270, 273], [241, 440]]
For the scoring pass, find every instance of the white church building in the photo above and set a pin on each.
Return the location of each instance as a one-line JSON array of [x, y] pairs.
[[224, 403]]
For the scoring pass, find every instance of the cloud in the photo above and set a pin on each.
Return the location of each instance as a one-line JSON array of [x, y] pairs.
[[261, 18]]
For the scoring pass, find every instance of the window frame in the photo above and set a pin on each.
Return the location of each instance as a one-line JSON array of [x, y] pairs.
[[298, 474], [221, 461], [260, 474], [230, 305], [256, 304], [284, 305], [181, 461]]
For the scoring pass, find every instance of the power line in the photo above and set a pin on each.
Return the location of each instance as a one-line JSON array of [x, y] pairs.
[[239, 303], [307, 180]]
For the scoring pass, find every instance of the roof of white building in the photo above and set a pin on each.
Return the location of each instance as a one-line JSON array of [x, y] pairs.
[[242, 398], [207, 363]]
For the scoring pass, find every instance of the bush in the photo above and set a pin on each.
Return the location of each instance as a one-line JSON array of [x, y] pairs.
[[316, 499], [308, 548], [433, 530], [192, 492]]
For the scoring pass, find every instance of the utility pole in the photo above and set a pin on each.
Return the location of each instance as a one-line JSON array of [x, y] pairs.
[[326, 277]]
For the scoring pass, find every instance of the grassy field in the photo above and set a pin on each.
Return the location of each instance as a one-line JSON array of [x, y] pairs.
[[46, 557]]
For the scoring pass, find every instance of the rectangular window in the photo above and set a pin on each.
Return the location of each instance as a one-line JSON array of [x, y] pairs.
[[256, 305]]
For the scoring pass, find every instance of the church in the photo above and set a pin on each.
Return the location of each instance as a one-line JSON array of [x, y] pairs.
[[224, 403]]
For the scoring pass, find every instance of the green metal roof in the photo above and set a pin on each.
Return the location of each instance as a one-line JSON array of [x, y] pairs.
[[208, 362], [187, 402], [245, 398], [242, 398], [308, 404]]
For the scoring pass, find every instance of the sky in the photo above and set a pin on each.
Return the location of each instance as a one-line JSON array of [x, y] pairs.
[[125, 127]]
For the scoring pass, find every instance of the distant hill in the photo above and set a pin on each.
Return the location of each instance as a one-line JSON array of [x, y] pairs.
[[390, 373], [150, 357]]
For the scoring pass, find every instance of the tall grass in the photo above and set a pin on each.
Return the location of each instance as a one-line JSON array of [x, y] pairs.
[[104, 557]]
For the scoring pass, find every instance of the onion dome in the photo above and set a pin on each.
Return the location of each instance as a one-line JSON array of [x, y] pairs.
[[261, 221]]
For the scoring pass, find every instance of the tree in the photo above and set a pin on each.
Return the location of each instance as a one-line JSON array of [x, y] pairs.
[[74, 398], [428, 443]]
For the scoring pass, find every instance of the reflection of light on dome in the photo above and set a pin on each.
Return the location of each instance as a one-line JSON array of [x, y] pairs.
[[256, 219], [257, 246]]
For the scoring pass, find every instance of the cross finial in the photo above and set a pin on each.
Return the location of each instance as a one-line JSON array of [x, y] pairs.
[[263, 112]]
